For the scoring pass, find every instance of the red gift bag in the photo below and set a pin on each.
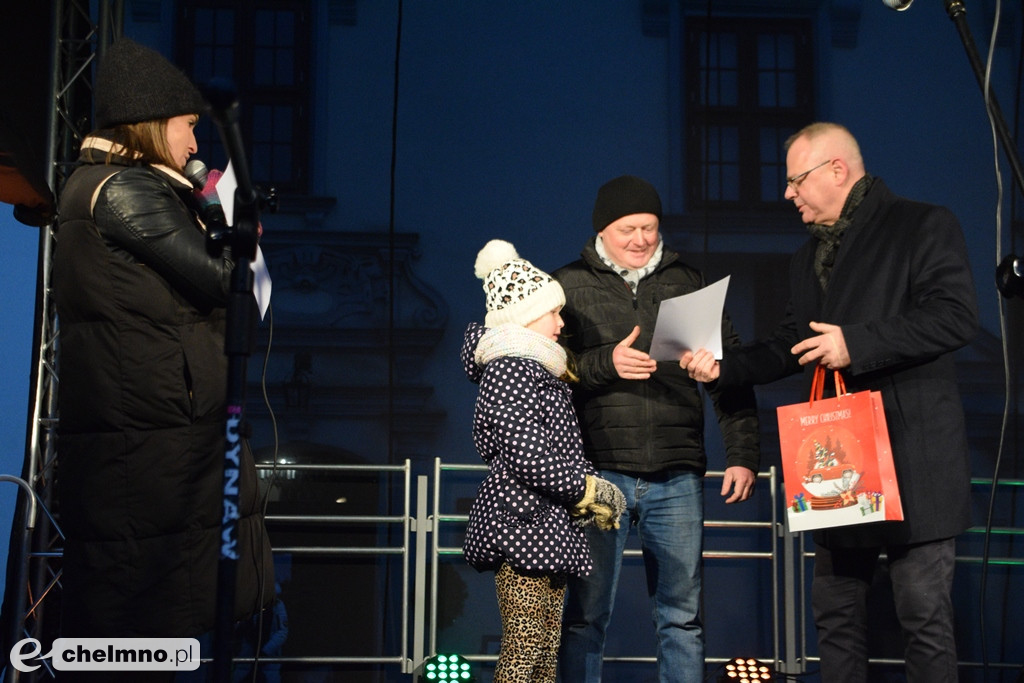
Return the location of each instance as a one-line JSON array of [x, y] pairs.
[[836, 459]]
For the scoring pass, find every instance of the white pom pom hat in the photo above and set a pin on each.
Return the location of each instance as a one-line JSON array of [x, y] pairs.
[[517, 292]]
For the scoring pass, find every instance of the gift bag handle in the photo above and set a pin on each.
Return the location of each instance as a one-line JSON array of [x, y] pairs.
[[819, 381]]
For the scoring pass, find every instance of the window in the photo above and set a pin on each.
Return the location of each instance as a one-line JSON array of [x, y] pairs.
[[261, 46], [749, 86]]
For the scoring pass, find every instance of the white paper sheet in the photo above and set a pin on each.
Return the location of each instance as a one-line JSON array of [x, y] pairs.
[[690, 322], [261, 284], [226, 187]]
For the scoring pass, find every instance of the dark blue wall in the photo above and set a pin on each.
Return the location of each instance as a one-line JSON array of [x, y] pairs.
[[510, 115]]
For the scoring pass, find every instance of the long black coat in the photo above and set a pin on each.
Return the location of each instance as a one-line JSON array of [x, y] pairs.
[[142, 405], [901, 290]]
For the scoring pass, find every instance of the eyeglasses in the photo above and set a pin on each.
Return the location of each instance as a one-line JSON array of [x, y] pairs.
[[795, 181]]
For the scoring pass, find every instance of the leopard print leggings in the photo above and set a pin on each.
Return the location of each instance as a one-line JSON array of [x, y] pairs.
[[531, 623]]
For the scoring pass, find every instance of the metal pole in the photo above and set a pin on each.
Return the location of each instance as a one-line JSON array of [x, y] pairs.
[[422, 528]]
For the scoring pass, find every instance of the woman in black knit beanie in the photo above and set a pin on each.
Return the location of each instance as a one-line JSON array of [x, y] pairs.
[[142, 395]]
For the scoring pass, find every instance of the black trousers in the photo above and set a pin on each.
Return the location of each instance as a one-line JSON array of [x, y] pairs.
[[922, 580]]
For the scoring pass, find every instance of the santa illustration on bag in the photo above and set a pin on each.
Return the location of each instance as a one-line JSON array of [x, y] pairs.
[[830, 470]]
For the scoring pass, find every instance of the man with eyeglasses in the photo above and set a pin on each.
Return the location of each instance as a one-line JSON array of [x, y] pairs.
[[882, 291]]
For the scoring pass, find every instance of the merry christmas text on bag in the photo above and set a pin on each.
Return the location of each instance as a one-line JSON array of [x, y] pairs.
[[836, 459]]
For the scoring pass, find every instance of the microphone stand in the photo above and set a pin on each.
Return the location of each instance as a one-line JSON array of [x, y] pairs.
[[1008, 272], [958, 13], [239, 342], [1007, 269]]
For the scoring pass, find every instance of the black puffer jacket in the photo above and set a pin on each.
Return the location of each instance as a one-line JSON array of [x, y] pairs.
[[142, 403], [654, 425], [525, 430]]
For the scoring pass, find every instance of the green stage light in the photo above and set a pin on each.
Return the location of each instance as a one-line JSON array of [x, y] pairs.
[[448, 668]]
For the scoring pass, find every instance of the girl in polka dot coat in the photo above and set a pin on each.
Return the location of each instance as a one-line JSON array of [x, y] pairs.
[[521, 524], [525, 429]]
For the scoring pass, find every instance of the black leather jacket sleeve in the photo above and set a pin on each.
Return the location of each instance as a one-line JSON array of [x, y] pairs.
[[139, 213]]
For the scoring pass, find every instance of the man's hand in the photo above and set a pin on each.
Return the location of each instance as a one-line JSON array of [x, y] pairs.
[[828, 348], [741, 481], [701, 365], [631, 363]]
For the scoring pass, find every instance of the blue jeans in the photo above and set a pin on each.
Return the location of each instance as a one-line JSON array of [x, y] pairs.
[[668, 512]]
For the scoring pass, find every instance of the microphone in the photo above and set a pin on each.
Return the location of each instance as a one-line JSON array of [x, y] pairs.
[[206, 193], [898, 5], [196, 171]]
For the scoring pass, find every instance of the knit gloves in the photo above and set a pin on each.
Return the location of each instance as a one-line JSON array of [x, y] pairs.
[[580, 508], [602, 505]]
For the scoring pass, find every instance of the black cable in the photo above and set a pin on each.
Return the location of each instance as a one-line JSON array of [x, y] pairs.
[[391, 238], [1019, 81], [266, 496], [991, 112], [706, 222], [390, 334]]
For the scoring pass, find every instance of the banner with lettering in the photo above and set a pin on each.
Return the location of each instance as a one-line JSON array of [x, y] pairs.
[[836, 459]]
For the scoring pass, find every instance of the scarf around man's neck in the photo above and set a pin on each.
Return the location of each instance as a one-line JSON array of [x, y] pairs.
[[829, 236], [631, 276]]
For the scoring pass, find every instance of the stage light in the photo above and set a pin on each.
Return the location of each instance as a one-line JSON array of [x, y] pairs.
[[746, 669], [444, 668]]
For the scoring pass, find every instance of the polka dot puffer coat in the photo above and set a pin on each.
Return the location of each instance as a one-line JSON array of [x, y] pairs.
[[525, 429]]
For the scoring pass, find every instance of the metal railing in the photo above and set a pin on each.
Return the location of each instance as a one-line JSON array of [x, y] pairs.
[[421, 549], [803, 556], [402, 551], [442, 516]]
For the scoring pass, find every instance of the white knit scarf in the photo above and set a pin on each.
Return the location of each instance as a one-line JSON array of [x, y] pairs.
[[515, 341]]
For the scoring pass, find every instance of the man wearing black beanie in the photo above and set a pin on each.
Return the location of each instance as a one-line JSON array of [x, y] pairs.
[[643, 426]]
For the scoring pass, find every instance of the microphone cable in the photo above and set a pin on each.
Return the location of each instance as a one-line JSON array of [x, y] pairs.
[[990, 513], [1013, 244], [263, 503], [986, 549]]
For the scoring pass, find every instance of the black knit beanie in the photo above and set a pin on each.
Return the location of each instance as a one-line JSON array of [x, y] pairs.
[[135, 83], [624, 196]]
